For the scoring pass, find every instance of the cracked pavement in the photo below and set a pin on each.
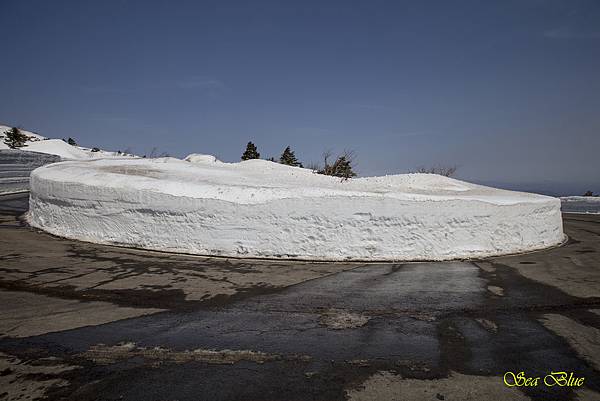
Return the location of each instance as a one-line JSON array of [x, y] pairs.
[[88, 322]]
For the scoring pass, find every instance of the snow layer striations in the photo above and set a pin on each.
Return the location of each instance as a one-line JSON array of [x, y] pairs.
[[261, 209]]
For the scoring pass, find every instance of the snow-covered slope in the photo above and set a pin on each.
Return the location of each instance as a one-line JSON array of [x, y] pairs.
[[33, 137], [258, 208], [58, 147]]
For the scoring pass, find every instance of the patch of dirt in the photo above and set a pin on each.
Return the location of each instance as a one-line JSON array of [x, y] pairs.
[[585, 340], [24, 314], [133, 170], [499, 291], [424, 317], [486, 266], [20, 380], [457, 387], [340, 320], [107, 354], [488, 325], [360, 362]]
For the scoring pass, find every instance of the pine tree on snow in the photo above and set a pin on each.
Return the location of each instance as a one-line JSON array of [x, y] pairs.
[[251, 152], [14, 138], [289, 158]]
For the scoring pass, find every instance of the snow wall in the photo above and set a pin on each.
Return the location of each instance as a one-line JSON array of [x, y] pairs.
[[581, 204], [262, 209], [16, 165]]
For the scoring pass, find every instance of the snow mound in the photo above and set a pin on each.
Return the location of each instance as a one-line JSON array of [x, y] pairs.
[[200, 158], [257, 208]]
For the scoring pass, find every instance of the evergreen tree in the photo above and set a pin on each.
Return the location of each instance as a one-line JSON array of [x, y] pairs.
[[289, 158], [71, 142], [251, 152], [14, 138]]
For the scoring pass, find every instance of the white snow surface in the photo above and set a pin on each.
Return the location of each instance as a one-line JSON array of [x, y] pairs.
[[258, 208], [58, 147], [69, 152], [201, 158]]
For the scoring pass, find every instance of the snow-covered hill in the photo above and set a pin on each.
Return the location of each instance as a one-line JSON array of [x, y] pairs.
[[16, 164], [33, 137], [257, 208], [58, 147]]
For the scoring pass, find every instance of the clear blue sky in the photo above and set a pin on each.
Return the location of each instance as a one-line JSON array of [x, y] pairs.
[[508, 90]]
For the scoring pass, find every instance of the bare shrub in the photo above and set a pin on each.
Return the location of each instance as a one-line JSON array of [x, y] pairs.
[[446, 171], [342, 166]]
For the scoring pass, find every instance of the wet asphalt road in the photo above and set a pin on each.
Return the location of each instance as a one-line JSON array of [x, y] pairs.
[[416, 320]]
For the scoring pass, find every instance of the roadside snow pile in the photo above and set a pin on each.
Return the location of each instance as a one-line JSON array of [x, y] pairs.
[[258, 208], [15, 167], [581, 204]]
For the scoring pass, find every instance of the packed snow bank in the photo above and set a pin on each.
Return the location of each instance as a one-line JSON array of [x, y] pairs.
[[258, 208], [15, 167], [581, 204]]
